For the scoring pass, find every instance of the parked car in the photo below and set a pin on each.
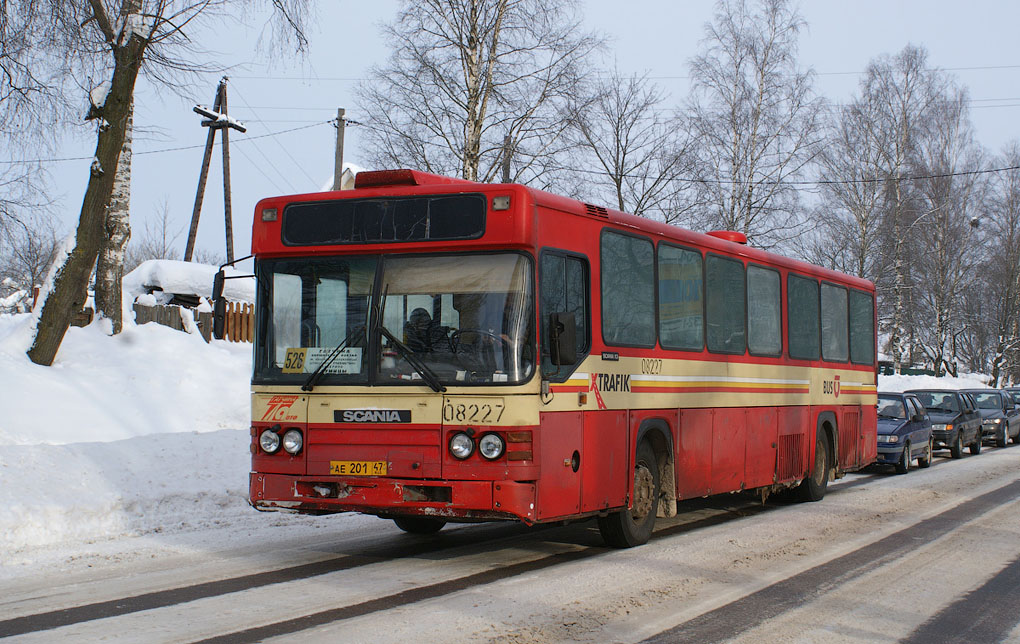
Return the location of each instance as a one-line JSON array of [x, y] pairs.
[[955, 421], [1000, 418], [904, 431]]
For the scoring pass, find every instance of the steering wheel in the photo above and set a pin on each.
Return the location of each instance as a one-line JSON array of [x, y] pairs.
[[498, 342]]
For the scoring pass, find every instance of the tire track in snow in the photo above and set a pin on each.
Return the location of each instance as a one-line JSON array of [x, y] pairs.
[[429, 545]]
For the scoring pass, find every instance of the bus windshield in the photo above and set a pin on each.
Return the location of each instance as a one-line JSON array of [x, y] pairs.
[[468, 318], [460, 319]]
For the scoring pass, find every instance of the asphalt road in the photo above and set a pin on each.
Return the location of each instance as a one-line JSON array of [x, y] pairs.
[[931, 556]]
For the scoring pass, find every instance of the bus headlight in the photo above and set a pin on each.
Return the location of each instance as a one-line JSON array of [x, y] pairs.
[[293, 441], [461, 445], [269, 441], [491, 446]]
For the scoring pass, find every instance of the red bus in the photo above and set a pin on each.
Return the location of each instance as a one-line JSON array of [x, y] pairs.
[[430, 350]]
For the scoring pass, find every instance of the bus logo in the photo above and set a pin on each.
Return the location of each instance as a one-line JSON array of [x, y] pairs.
[[831, 386], [372, 415], [278, 407]]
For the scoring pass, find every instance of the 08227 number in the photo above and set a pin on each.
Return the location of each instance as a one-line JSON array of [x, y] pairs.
[[472, 412]]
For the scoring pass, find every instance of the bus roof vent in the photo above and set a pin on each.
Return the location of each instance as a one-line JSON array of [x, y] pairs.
[[729, 235], [596, 211], [379, 178]]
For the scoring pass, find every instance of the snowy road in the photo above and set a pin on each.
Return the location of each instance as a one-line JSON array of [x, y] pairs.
[[930, 556]]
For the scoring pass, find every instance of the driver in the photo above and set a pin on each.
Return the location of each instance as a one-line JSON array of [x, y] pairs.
[[423, 333]]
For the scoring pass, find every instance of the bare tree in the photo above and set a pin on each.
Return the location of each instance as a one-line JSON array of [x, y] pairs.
[[900, 93], [112, 39], [944, 153], [1001, 269], [157, 241], [756, 120], [640, 154], [27, 248], [849, 219], [468, 76]]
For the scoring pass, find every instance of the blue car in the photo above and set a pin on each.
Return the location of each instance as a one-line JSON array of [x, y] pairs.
[[904, 431]]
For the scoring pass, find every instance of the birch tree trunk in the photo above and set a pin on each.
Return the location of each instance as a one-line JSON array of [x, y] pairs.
[[110, 267], [70, 286]]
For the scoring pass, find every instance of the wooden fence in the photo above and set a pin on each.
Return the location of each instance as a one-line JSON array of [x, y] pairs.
[[239, 324]]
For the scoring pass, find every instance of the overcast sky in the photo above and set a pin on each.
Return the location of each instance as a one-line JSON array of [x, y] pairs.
[[976, 40]]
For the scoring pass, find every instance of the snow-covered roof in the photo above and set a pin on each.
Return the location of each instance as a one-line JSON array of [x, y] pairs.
[[186, 278]]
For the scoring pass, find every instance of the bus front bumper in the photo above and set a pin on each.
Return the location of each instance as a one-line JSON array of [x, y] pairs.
[[449, 500]]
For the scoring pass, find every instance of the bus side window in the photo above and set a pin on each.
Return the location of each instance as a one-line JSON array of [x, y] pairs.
[[835, 344], [802, 310], [725, 305], [764, 312], [628, 289], [681, 305], [862, 328]]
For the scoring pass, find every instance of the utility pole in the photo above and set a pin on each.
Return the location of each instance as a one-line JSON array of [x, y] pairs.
[[227, 216], [216, 119], [506, 159], [338, 163]]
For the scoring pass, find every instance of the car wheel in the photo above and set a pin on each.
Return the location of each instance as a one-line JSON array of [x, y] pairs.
[[633, 527], [904, 465], [975, 447], [419, 525], [956, 451], [1003, 439], [925, 461]]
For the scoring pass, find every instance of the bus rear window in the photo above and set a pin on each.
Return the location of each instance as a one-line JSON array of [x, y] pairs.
[[367, 221]]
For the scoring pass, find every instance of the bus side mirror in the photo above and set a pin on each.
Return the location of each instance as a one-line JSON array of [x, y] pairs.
[[562, 338], [219, 306]]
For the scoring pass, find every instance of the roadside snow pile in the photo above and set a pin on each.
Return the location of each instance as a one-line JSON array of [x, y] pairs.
[[903, 383], [123, 434], [148, 379]]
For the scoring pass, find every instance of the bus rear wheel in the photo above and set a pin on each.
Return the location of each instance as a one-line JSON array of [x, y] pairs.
[[419, 525], [813, 487], [633, 527]]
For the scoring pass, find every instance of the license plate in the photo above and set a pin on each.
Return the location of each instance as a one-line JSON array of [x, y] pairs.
[[357, 468]]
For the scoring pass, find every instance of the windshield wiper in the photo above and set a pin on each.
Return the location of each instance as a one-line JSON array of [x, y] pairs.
[[426, 372], [889, 416], [316, 375]]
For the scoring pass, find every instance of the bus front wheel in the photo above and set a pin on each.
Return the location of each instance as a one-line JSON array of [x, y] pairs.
[[633, 527], [419, 525]]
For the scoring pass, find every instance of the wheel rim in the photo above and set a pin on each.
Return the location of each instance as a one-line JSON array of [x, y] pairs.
[[906, 457], [644, 489], [930, 453]]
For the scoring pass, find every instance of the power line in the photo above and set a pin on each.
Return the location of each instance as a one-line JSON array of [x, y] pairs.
[[177, 149], [350, 79], [814, 182], [283, 147]]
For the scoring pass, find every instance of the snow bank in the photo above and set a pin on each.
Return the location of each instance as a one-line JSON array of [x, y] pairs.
[[85, 492], [125, 434], [149, 379], [903, 383]]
